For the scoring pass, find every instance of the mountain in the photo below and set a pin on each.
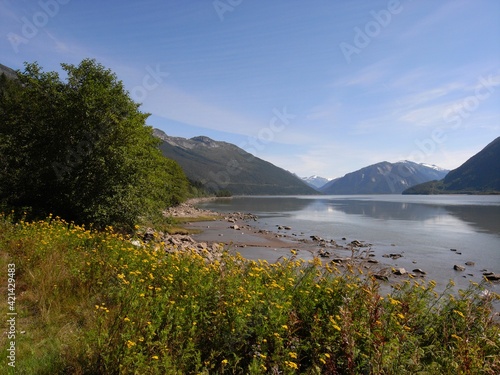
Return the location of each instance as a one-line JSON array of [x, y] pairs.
[[478, 175], [384, 178], [9, 73], [221, 166], [315, 182]]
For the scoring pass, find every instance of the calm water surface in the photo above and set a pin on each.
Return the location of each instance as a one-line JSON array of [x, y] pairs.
[[422, 228]]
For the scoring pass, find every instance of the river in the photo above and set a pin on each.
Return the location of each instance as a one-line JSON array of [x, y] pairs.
[[424, 229]]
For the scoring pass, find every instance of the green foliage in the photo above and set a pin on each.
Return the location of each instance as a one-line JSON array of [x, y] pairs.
[[223, 193], [430, 187], [80, 149], [94, 303]]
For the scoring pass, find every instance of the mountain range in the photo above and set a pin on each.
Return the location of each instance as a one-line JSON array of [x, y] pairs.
[[384, 178], [221, 166], [478, 175]]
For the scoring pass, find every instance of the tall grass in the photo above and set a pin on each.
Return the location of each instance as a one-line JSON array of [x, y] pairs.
[[93, 303]]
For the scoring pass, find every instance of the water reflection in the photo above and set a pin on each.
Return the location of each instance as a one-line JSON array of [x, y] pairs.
[[484, 218], [388, 210], [260, 205]]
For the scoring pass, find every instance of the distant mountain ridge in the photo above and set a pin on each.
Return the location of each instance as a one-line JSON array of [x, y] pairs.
[[384, 178], [224, 166], [478, 175], [316, 182]]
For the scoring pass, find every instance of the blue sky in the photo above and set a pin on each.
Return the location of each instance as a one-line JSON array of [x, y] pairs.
[[316, 87]]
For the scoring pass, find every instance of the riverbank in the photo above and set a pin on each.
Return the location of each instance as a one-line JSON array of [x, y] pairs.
[[238, 233]]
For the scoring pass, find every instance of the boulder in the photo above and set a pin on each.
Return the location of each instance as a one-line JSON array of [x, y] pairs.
[[393, 256], [340, 260], [381, 277], [419, 271], [492, 276], [400, 271], [149, 235], [458, 267]]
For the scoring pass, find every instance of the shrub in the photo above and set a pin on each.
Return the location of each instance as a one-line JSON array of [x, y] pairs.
[[80, 149]]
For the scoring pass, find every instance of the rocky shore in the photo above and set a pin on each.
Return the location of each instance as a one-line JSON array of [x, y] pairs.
[[236, 232]]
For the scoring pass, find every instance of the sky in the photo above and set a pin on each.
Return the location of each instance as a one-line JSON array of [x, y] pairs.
[[316, 87]]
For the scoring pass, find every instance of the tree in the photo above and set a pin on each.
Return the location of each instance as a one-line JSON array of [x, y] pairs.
[[80, 149]]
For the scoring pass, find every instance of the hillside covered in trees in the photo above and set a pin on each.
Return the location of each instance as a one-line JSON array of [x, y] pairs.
[[478, 175]]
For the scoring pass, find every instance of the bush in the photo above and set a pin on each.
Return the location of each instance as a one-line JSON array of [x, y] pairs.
[[80, 149]]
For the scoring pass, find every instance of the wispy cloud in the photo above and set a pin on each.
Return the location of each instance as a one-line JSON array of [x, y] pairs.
[[281, 126], [436, 18], [325, 112], [431, 94], [368, 75], [175, 104], [426, 115]]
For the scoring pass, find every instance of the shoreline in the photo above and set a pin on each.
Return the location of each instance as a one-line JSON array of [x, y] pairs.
[[236, 233], [394, 259]]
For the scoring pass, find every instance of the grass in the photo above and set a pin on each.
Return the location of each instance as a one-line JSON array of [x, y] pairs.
[[92, 303]]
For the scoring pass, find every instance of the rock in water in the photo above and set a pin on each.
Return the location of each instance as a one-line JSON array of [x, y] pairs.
[[399, 271]]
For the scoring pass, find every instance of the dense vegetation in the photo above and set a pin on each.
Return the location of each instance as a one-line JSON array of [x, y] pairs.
[[79, 148], [93, 303]]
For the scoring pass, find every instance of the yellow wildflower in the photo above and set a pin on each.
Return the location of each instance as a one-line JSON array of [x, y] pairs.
[[130, 343]]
